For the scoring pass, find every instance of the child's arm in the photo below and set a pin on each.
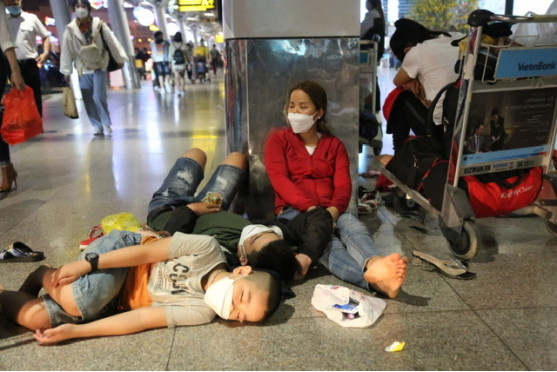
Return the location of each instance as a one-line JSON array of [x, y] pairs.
[[119, 324], [123, 257]]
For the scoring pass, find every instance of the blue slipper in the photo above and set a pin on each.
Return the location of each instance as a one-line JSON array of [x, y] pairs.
[[20, 252]]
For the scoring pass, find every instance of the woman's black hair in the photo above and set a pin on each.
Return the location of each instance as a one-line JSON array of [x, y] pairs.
[[410, 33], [177, 37], [319, 98], [83, 2]]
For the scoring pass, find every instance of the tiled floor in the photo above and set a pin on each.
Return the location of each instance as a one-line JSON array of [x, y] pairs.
[[505, 319]]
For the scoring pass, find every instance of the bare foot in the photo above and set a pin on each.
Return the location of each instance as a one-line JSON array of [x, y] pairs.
[[386, 273], [304, 262]]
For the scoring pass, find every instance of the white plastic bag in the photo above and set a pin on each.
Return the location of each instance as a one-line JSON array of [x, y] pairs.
[[347, 307], [540, 33]]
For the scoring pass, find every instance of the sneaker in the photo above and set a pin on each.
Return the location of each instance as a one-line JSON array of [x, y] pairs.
[[107, 130], [98, 131]]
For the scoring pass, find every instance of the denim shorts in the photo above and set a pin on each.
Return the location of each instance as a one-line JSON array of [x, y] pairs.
[[162, 68], [94, 293], [181, 183]]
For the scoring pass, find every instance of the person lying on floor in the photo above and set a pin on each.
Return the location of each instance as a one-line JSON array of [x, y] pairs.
[[128, 282], [271, 246]]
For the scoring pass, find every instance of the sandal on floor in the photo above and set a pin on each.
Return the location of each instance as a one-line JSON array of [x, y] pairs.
[[20, 252], [446, 267], [364, 209]]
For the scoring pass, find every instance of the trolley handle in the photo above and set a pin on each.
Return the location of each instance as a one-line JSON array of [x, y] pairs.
[[482, 17]]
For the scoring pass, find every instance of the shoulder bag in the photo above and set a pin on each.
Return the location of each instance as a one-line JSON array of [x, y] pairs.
[[112, 64]]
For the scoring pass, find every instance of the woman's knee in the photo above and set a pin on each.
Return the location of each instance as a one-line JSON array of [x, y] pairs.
[[236, 159], [197, 155], [349, 224]]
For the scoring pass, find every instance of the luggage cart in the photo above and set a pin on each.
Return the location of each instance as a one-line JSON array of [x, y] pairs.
[[368, 92], [523, 82]]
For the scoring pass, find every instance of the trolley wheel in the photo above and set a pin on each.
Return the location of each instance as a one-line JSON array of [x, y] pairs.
[[467, 244], [551, 227]]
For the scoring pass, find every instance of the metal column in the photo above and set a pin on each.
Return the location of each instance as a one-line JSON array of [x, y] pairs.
[[119, 23], [272, 45], [61, 13]]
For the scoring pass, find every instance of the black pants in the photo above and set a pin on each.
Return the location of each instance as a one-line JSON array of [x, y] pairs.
[[408, 113], [30, 74]]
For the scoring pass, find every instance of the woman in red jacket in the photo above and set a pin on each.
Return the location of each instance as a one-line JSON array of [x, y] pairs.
[[309, 168]]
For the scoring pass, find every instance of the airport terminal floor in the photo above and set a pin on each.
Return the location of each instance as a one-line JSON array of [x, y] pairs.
[[68, 179]]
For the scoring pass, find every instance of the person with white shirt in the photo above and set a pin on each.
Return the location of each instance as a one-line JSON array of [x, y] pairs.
[[24, 28], [91, 34], [428, 64]]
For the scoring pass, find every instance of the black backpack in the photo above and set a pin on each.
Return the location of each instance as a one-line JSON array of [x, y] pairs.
[[178, 57]]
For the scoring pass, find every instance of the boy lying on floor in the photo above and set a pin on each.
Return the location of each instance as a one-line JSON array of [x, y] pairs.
[[128, 282]]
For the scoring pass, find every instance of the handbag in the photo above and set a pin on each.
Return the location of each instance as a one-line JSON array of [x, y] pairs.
[[22, 120], [500, 193], [414, 159], [112, 64], [70, 109]]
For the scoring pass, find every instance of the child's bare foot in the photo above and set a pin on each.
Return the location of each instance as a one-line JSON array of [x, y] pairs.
[[304, 262], [386, 273], [34, 281]]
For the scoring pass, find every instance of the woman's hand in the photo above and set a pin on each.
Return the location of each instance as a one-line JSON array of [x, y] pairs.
[[54, 335], [201, 208], [334, 213], [17, 80], [415, 87], [70, 272], [41, 58]]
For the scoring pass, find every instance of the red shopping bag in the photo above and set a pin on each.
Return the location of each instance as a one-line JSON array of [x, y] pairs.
[[22, 120]]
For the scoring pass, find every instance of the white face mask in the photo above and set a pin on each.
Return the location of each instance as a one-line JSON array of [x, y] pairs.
[[81, 12], [219, 296], [300, 123], [251, 230]]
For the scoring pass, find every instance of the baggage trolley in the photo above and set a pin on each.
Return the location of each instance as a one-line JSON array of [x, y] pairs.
[[522, 83]]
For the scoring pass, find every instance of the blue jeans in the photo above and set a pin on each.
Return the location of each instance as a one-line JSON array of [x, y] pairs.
[[95, 291], [347, 254], [93, 90], [179, 186]]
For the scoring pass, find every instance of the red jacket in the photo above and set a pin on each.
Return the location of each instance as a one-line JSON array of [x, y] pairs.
[[301, 180]]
